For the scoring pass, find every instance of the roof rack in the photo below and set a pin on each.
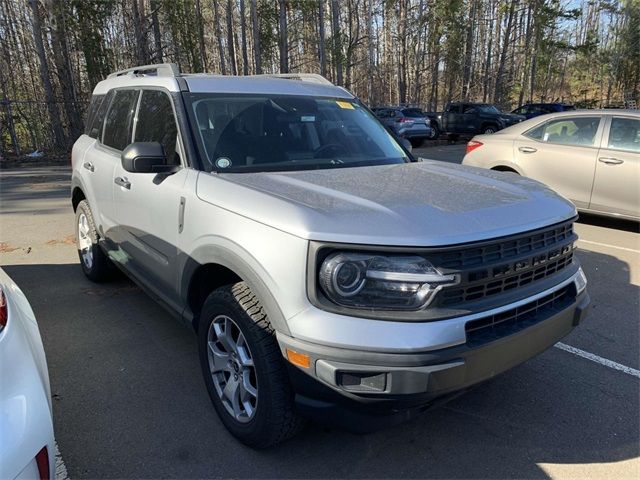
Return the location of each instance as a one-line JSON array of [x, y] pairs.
[[160, 70], [303, 77]]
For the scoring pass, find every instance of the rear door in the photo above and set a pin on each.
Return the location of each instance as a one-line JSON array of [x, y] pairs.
[[562, 153], [616, 188], [452, 118], [112, 121], [148, 205]]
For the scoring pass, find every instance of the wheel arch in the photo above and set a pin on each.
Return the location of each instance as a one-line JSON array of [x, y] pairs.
[[77, 195], [489, 123], [505, 168], [212, 267]]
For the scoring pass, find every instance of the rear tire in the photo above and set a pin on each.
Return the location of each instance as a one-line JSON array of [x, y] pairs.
[[243, 368], [489, 129], [94, 262]]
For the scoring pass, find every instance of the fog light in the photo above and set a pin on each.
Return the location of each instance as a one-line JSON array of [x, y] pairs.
[[362, 382], [580, 281]]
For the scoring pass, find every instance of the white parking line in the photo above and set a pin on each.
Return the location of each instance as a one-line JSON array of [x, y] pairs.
[[595, 358], [609, 246], [61, 469]]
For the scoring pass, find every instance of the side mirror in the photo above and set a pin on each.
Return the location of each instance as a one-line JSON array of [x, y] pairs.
[[145, 157], [406, 144]]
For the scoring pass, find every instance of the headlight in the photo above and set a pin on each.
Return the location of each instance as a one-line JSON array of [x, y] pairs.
[[392, 282]]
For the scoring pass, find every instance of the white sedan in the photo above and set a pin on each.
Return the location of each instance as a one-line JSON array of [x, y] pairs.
[[27, 448], [592, 157]]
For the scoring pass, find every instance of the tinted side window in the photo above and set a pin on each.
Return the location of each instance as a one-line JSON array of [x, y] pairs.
[[156, 122], [94, 125], [96, 101], [117, 127], [624, 134], [567, 131]]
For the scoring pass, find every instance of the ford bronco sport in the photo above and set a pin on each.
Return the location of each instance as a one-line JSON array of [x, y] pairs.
[[328, 274]]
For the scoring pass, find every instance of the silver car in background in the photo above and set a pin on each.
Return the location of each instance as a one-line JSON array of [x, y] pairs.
[[592, 157]]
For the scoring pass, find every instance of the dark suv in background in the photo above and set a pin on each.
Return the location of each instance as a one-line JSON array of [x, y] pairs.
[[406, 122], [531, 110], [474, 118]]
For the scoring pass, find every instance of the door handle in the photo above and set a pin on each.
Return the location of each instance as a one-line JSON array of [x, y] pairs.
[[528, 149], [89, 166], [123, 182], [610, 160]]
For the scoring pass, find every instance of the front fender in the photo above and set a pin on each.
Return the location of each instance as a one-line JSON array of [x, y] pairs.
[[232, 256]]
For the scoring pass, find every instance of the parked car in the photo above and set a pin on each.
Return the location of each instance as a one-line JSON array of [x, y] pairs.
[[26, 426], [409, 123], [531, 110], [591, 157], [327, 273], [472, 118]]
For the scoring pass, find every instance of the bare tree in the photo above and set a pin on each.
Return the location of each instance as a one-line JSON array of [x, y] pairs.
[[284, 40], [256, 37], [45, 76]]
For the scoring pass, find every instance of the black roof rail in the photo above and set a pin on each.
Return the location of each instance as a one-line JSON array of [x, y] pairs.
[[160, 70]]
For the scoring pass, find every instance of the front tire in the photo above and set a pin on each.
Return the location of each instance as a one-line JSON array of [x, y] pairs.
[[94, 262], [489, 129], [243, 368]]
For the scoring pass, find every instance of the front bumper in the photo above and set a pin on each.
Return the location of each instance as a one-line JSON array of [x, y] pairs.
[[363, 390], [412, 133]]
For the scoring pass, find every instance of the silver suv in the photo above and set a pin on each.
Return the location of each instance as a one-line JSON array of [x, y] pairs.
[[328, 274]]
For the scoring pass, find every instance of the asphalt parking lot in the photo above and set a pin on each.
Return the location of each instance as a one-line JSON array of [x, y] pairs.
[[129, 401]]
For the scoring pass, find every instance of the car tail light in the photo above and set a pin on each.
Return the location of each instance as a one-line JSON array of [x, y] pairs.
[[42, 460], [404, 120], [4, 311], [472, 145]]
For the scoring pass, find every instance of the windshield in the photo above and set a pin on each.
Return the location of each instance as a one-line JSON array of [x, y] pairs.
[[488, 109], [250, 133]]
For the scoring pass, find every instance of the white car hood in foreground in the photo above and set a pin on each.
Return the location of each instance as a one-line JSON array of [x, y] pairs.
[[416, 204]]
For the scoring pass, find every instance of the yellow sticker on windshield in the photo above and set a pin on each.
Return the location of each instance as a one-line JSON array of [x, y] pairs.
[[347, 105]]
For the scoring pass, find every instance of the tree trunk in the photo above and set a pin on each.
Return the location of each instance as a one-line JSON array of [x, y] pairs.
[[283, 36], [498, 96], [203, 50], [157, 37], [230, 43], [142, 52], [61, 59], [337, 40], [468, 50], [255, 25], [322, 56], [52, 106], [243, 33], [216, 24], [370, 51]]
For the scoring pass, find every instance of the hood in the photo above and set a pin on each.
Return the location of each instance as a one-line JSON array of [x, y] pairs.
[[415, 204], [512, 117]]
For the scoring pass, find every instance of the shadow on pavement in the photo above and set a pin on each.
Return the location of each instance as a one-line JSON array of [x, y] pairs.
[[129, 400], [610, 222]]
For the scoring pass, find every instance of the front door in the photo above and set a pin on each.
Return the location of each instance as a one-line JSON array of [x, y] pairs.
[[148, 205], [616, 188], [562, 154]]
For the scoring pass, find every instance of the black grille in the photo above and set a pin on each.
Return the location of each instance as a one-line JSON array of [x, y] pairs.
[[495, 281], [498, 267], [499, 325], [506, 249]]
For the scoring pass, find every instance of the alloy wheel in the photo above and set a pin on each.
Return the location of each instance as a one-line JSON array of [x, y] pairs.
[[232, 368], [84, 241]]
